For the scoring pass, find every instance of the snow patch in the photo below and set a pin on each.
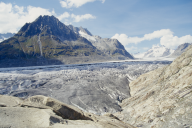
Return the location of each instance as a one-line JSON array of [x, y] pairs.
[[39, 42], [88, 37]]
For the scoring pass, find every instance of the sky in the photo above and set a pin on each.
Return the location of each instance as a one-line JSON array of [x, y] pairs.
[[137, 24]]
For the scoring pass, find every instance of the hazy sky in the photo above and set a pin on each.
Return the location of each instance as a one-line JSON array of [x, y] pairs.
[[137, 24]]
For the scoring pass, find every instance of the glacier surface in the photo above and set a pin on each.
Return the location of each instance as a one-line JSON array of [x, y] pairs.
[[96, 87]]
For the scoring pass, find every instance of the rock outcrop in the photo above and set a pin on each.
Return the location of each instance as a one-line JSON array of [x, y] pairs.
[[162, 98], [41, 111]]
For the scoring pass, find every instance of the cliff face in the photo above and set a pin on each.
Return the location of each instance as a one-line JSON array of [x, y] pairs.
[[162, 98]]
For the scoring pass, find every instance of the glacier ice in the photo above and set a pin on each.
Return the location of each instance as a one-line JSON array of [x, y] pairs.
[[97, 87]]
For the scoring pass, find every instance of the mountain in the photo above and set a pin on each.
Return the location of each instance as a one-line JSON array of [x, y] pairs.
[[161, 98], [155, 51], [6, 36], [45, 37], [180, 49], [48, 39], [108, 46]]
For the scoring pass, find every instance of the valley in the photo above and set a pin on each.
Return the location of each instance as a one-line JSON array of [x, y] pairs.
[[94, 87], [66, 77]]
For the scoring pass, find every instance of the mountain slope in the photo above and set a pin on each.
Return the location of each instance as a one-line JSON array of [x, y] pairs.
[[108, 46], [180, 49], [162, 98]]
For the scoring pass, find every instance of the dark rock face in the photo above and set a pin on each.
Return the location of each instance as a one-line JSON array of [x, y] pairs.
[[181, 48]]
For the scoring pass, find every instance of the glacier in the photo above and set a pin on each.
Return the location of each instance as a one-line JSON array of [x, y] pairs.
[[94, 87]]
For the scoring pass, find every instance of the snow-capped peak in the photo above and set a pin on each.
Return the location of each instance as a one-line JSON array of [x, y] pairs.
[[155, 51]]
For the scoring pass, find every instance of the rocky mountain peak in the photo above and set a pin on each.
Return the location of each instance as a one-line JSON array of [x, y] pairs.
[[48, 25], [48, 20]]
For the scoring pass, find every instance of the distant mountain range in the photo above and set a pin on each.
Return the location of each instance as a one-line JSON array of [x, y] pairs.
[[5, 36], [161, 51], [48, 39], [155, 51], [180, 49]]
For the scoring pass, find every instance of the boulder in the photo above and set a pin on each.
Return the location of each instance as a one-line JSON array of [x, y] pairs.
[[42, 111]]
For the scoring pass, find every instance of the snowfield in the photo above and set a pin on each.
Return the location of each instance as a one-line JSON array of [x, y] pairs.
[[97, 87], [155, 52]]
